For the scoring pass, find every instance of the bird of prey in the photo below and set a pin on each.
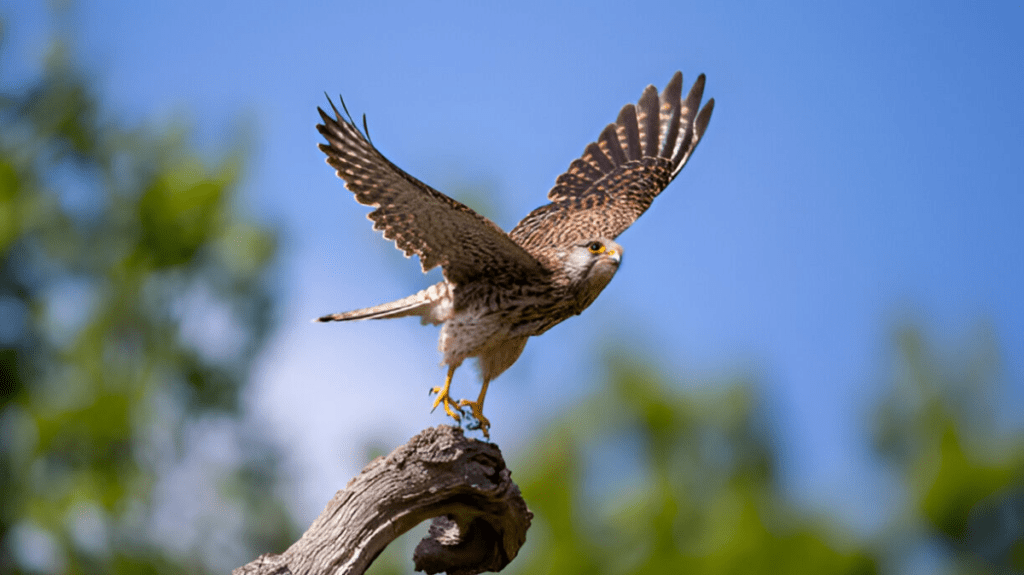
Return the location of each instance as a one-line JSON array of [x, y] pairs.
[[501, 288]]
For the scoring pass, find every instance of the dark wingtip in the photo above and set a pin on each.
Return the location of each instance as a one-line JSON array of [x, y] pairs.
[[628, 121], [674, 89], [700, 81], [650, 107], [704, 117], [325, 118], [344, 107], [337, 114], [366, 130], [670, 103], [696, 91], [345, 118], [627, 115]]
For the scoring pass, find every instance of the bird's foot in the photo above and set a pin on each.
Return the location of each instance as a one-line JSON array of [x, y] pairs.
[[482, 423], [451, 407]]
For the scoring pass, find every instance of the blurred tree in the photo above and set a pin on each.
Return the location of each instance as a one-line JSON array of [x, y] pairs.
[[132, 300], [963, 475], [133, 297], [686, 484], [645, 478]]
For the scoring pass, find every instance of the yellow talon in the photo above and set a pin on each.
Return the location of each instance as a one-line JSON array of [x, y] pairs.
[[477, 407], [454, 408], [450, 406], [482, 423]]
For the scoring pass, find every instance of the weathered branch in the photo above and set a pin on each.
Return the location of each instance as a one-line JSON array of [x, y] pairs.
[[480, 518]]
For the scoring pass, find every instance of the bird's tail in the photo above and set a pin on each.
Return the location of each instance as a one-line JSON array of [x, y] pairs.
[[425, 304]]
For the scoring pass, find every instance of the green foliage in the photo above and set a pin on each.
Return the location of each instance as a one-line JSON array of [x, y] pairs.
[[964, 479], [132, 299], [697, 490], [693, 486]]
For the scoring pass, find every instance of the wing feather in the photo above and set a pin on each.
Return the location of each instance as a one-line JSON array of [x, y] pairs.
[[617, 178], [597, 159], [670, 113], [610, 145], [628, 130], [419, 219], [649, 121]]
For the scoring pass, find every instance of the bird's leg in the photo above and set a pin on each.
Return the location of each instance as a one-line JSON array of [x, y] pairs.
[[450, 407], [478, 410]]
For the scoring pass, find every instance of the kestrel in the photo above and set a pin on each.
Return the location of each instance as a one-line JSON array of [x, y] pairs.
[[499, 289]]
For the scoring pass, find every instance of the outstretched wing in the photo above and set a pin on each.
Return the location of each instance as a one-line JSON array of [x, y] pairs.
[[421, 220], [617, 178]]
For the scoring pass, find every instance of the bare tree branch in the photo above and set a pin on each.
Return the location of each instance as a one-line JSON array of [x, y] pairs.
[[480, 518]]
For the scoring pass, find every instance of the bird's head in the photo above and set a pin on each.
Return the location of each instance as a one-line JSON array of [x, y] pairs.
[[591, 264]]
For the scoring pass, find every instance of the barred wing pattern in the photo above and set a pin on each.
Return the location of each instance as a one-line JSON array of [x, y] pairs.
[[618, 177], [419, 219]]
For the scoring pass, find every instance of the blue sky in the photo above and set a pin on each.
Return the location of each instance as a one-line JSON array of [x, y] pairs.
[[863, 167]]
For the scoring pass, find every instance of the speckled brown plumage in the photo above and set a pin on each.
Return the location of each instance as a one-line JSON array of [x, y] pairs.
[[499, 289]]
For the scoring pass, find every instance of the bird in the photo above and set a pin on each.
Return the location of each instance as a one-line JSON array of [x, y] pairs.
[[500, 289]]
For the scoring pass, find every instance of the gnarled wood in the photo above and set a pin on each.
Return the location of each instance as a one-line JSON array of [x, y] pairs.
[[480, 518]]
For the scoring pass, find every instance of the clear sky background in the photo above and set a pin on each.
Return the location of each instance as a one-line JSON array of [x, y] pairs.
[[863, 167]]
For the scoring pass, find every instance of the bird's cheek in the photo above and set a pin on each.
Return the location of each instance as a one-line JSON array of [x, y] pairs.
[[608, 268]]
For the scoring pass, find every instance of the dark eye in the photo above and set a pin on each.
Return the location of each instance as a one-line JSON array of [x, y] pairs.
[[596, 248]]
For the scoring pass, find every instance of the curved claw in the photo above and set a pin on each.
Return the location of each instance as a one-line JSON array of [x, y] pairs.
[[451, 407], [482, 423]]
